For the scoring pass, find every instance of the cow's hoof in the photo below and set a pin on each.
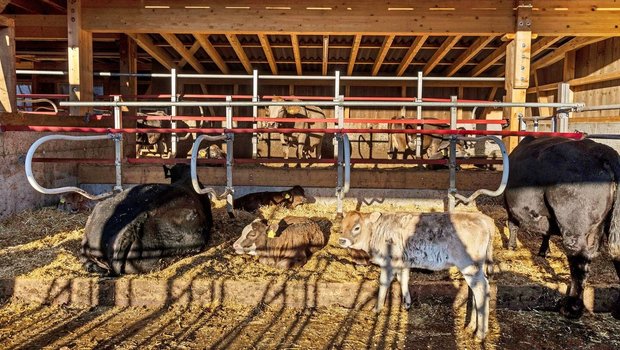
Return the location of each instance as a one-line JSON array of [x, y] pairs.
[[572, 308]]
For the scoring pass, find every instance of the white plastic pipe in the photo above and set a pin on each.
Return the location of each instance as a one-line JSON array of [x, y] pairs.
[[42, 140]]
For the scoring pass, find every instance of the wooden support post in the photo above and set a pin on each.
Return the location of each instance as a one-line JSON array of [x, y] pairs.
[[7, 66], [518, 68], [129, 87], [565, 95], [80, 57]]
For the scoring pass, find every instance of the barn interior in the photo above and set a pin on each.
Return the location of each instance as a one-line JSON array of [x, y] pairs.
[[508, 51]]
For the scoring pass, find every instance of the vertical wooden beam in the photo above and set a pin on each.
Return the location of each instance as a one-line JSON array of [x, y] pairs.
[[264, 43], [129, 87], [568, 71], [387, 42], [236, 45], [353, 56], [80, 57], [325, 54], [8, 79], [518, 68], [296, 53], [410, 55]]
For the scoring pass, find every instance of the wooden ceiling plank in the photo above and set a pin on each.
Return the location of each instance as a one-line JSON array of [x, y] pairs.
[[203, 41], [561, 51], [497, 55], [236, 45], [325, 54], [387, 42], [159, 54], [441, 53], [296, 53], [178, 46], [410, 55], [264, 43], [56, 6], [353, 56], [470, 53]]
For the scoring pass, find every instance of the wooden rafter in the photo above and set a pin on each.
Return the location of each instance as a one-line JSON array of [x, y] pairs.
[[543, 43], [354, 50], [559, 53], [159, 54], [325, 54], [264, 43], [203, 40], [28, 6], [296, 53], [178, 46], [441, 52], [192, 51], [56, 6], [387, 42], [497, 55], [236, 45], [470, 53], [410, 55]]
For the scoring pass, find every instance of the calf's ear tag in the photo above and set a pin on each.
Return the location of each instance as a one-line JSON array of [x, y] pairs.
[[287, 196], [271, 234], [62, 201]]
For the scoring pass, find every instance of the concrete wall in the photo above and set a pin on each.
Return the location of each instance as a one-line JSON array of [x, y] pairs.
[[16, 194]]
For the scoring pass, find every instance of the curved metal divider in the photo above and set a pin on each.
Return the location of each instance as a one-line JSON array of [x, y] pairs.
[[193, 166], [344, 169], [505, 165], [42, 140]]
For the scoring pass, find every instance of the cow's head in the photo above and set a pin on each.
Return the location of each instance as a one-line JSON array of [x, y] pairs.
[[74, 203], [253, 236], [357, 229], [295, 196], [177, 173], [215, 152]]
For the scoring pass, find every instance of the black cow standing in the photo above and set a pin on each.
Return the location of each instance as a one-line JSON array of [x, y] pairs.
[[569, 188], [147, 227]]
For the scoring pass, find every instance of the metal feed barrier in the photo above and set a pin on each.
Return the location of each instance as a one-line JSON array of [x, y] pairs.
[[338, 102]]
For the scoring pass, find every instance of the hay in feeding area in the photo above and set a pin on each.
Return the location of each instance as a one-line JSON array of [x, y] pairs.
[[45, 243]]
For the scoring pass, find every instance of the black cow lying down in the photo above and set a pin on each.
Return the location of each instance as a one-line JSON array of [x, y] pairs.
[[147, 227], [569, 188], [288, 199]]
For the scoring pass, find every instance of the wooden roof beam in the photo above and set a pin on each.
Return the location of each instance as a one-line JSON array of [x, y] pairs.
[[490, 60], [543, 43], [236, 45], [56, 6], [296, 53], [204, 42], [411, 53], [28, 6], [159, 54], [440, 53], [192, 50], [353, 56], [178, 46], [559, 53], [470, 53], [264, 43], [387, 42], [325, 54]]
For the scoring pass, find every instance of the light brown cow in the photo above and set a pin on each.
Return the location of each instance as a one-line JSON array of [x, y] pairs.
[[75, 203], [300, 238], [307, 144], [433, 146], [433, 241]]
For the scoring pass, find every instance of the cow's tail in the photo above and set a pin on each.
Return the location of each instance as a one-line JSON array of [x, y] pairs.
[[614, 224]]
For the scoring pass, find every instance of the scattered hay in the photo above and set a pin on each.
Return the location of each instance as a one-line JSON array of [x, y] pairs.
[[45, 243]]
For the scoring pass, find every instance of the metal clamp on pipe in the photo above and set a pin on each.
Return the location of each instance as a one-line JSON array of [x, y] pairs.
[[505, 165], [35, 184], [193, 167]]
